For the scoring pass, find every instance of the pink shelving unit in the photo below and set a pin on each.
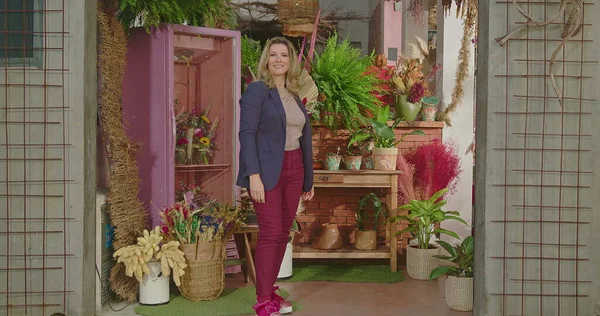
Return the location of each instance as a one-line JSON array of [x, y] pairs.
[[197, 67]]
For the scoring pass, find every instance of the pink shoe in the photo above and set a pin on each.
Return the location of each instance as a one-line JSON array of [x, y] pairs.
[[268, 308], [285, 306]]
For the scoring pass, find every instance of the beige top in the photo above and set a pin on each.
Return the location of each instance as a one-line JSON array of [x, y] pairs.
[[295, 120]]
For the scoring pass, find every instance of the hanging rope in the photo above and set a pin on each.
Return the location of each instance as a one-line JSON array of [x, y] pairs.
[[573, 26]]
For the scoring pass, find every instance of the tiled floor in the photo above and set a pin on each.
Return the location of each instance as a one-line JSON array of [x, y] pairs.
[[408, 298]]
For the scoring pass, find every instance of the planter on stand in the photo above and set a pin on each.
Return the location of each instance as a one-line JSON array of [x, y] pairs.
[[459, 293], [429, 108], [420, 262], [154, 288], [368, 163], [406, 110], [353, 162], [385, 158], [333, 162], [365, 239]]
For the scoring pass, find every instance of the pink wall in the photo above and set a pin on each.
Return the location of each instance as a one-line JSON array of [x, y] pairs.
[[392, 28]]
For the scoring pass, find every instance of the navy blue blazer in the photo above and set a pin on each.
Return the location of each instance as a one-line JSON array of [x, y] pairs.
[[262, 137]]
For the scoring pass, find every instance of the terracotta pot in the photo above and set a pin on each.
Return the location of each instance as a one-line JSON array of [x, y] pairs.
[[329, 239], [406, 110], [353, 162], [420, 262], [333, 162], [385, 158], [365, 240], [459, 293], [429, 108]]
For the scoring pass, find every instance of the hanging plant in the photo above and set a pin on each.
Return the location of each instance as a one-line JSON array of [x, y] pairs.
[[152, 13]]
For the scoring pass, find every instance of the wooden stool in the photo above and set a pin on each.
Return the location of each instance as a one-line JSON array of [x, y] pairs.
[[242, 243]]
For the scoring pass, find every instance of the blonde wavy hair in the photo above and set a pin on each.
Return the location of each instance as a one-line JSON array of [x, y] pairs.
[[292, 78]]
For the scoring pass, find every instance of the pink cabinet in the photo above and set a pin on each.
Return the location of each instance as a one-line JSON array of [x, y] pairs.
[[173, 69]]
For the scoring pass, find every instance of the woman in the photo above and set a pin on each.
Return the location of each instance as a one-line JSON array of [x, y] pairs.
[[275, 163]]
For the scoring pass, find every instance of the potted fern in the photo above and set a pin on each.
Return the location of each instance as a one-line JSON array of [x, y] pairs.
[[382, 135], [343, 84], [366, 239], [422, 218], [459, 282]]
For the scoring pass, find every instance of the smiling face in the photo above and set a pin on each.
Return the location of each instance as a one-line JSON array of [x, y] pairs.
[[279, 60]]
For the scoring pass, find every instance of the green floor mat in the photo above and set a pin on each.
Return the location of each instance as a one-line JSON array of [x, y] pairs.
[[350, 273], [232, 302]]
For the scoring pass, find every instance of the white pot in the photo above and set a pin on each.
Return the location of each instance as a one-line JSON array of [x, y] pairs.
[[154, 289], [420, 262], [459, 293], [385, 158], [285, 270]]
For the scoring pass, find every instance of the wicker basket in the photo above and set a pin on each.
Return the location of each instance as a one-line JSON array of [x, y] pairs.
[[203, 281], [420, 262], [459, 293], [297, 16]]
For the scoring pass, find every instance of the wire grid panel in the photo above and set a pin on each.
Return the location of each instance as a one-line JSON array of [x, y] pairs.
[[34, 258], [540, 202]]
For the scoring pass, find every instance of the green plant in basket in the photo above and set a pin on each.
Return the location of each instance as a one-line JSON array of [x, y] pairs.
[[362, 216], [422, 217], [379, 132], [461, 255]]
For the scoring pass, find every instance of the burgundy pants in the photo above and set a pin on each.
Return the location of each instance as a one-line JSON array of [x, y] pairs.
[[275, 219]]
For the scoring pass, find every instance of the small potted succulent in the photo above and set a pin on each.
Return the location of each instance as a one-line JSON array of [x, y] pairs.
[[333, 160], [459, 282], [353, 159], [422, 218], [366, 239]]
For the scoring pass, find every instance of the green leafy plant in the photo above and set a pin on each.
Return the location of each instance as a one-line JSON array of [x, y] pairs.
[[424, 215], [152, 13], [251, 51], [379, 131], [362, 215], [462, 256], [345, 89]]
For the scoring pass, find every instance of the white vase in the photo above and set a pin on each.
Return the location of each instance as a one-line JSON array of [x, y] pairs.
[[285, 270], [154, 288]]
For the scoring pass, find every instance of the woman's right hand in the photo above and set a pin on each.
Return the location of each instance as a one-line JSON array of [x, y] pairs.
[[257, 188]]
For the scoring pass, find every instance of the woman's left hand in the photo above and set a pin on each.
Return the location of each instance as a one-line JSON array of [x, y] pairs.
[[307, 196]]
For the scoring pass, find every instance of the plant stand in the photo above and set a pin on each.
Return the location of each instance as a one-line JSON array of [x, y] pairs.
[[359, 179]]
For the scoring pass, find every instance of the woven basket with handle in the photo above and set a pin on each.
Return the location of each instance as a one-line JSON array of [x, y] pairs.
[[203, 280], [297, 16]]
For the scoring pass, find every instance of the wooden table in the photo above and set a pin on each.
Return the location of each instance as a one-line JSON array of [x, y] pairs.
[[242, 244], [360, 179]]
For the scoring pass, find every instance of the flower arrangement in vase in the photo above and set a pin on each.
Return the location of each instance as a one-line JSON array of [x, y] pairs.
[[195, 135], [410, 85], [152, 248]]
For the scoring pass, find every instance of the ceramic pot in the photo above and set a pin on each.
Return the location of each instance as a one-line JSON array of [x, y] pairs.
[[429, 108], [154, 288], [368, 163], [420, 262], [353, 162], [385, 158], [406, 110], [333, 162], [459, 293], [365, 240]]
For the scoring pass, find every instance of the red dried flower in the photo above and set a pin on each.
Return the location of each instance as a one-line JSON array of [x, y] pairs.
[[436, 166], [182, 141], [416, 93]]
